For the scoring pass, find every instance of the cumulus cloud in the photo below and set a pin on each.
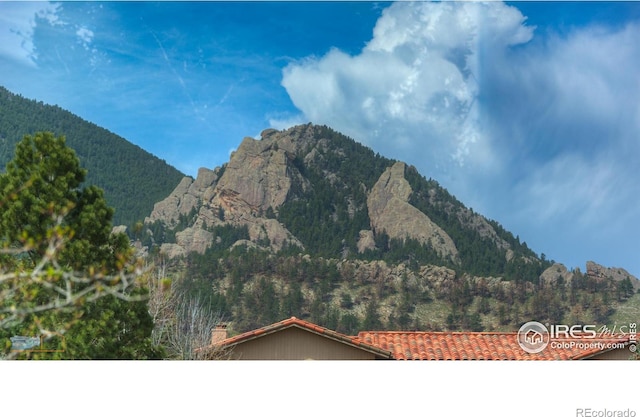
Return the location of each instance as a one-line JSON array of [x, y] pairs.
[[18, 21], [413, 88]]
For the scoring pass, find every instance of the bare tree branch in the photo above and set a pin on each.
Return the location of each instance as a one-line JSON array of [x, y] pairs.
[[68, 289], [183, 323]]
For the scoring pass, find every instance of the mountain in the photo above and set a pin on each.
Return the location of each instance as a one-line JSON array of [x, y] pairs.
[[133, 179], [315, 189], [308, 222]]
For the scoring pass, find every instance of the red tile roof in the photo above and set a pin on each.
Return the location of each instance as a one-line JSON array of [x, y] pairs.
[[302, 324], [404, 345], [480, 346]]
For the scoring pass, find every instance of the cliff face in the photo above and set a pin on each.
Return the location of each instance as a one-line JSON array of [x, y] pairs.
[[257, 178], [184, 198], [258, 174], [390, 212]]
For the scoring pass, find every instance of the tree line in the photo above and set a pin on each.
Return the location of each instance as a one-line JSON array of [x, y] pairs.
[[132, 179]]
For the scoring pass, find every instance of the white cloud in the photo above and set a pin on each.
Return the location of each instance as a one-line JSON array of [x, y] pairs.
[[413, 88], [18, 21], [85, 36]]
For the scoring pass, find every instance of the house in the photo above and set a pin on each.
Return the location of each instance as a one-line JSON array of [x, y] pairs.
[[295, 339]]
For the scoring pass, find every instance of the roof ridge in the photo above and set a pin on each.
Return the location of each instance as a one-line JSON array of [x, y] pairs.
[[309, 326], [431, 332]]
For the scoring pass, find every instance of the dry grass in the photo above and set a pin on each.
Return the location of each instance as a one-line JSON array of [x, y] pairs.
[[627, 312]]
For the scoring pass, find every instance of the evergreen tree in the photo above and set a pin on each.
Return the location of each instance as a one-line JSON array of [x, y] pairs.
[[349, 324], [43, 204], [372, 319]]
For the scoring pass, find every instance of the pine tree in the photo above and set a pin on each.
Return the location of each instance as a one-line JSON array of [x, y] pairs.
[[49, 222], [372, 319]]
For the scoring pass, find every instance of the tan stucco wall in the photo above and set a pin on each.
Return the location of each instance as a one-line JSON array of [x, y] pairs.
[[297, 344]]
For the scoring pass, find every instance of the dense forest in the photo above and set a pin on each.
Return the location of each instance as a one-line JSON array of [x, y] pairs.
[[251, 288], [132, 179]]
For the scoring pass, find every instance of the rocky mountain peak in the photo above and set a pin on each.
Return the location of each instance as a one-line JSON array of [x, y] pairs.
[[257, 174], [257, 178]]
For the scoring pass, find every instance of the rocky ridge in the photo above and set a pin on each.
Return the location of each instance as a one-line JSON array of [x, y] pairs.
[[257, 178], [559, 273], [263, 174], [617, 274]]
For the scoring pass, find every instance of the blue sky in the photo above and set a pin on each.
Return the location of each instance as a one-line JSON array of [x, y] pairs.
[[528, 112]]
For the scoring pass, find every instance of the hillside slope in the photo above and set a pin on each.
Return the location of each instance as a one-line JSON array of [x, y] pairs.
[[132, 178]]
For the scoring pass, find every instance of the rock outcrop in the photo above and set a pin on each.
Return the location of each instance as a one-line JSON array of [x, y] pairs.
[[391, 213], [558, 271], [258, 178], [597, 271], [555, 273], [366, 241], [185, 198], [258, 174]]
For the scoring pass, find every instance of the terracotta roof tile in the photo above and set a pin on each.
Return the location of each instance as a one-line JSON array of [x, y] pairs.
[[476, 346]]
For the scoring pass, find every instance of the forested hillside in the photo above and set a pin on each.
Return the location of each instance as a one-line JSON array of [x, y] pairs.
[[308, 222], [328, 217], [132, 178]]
